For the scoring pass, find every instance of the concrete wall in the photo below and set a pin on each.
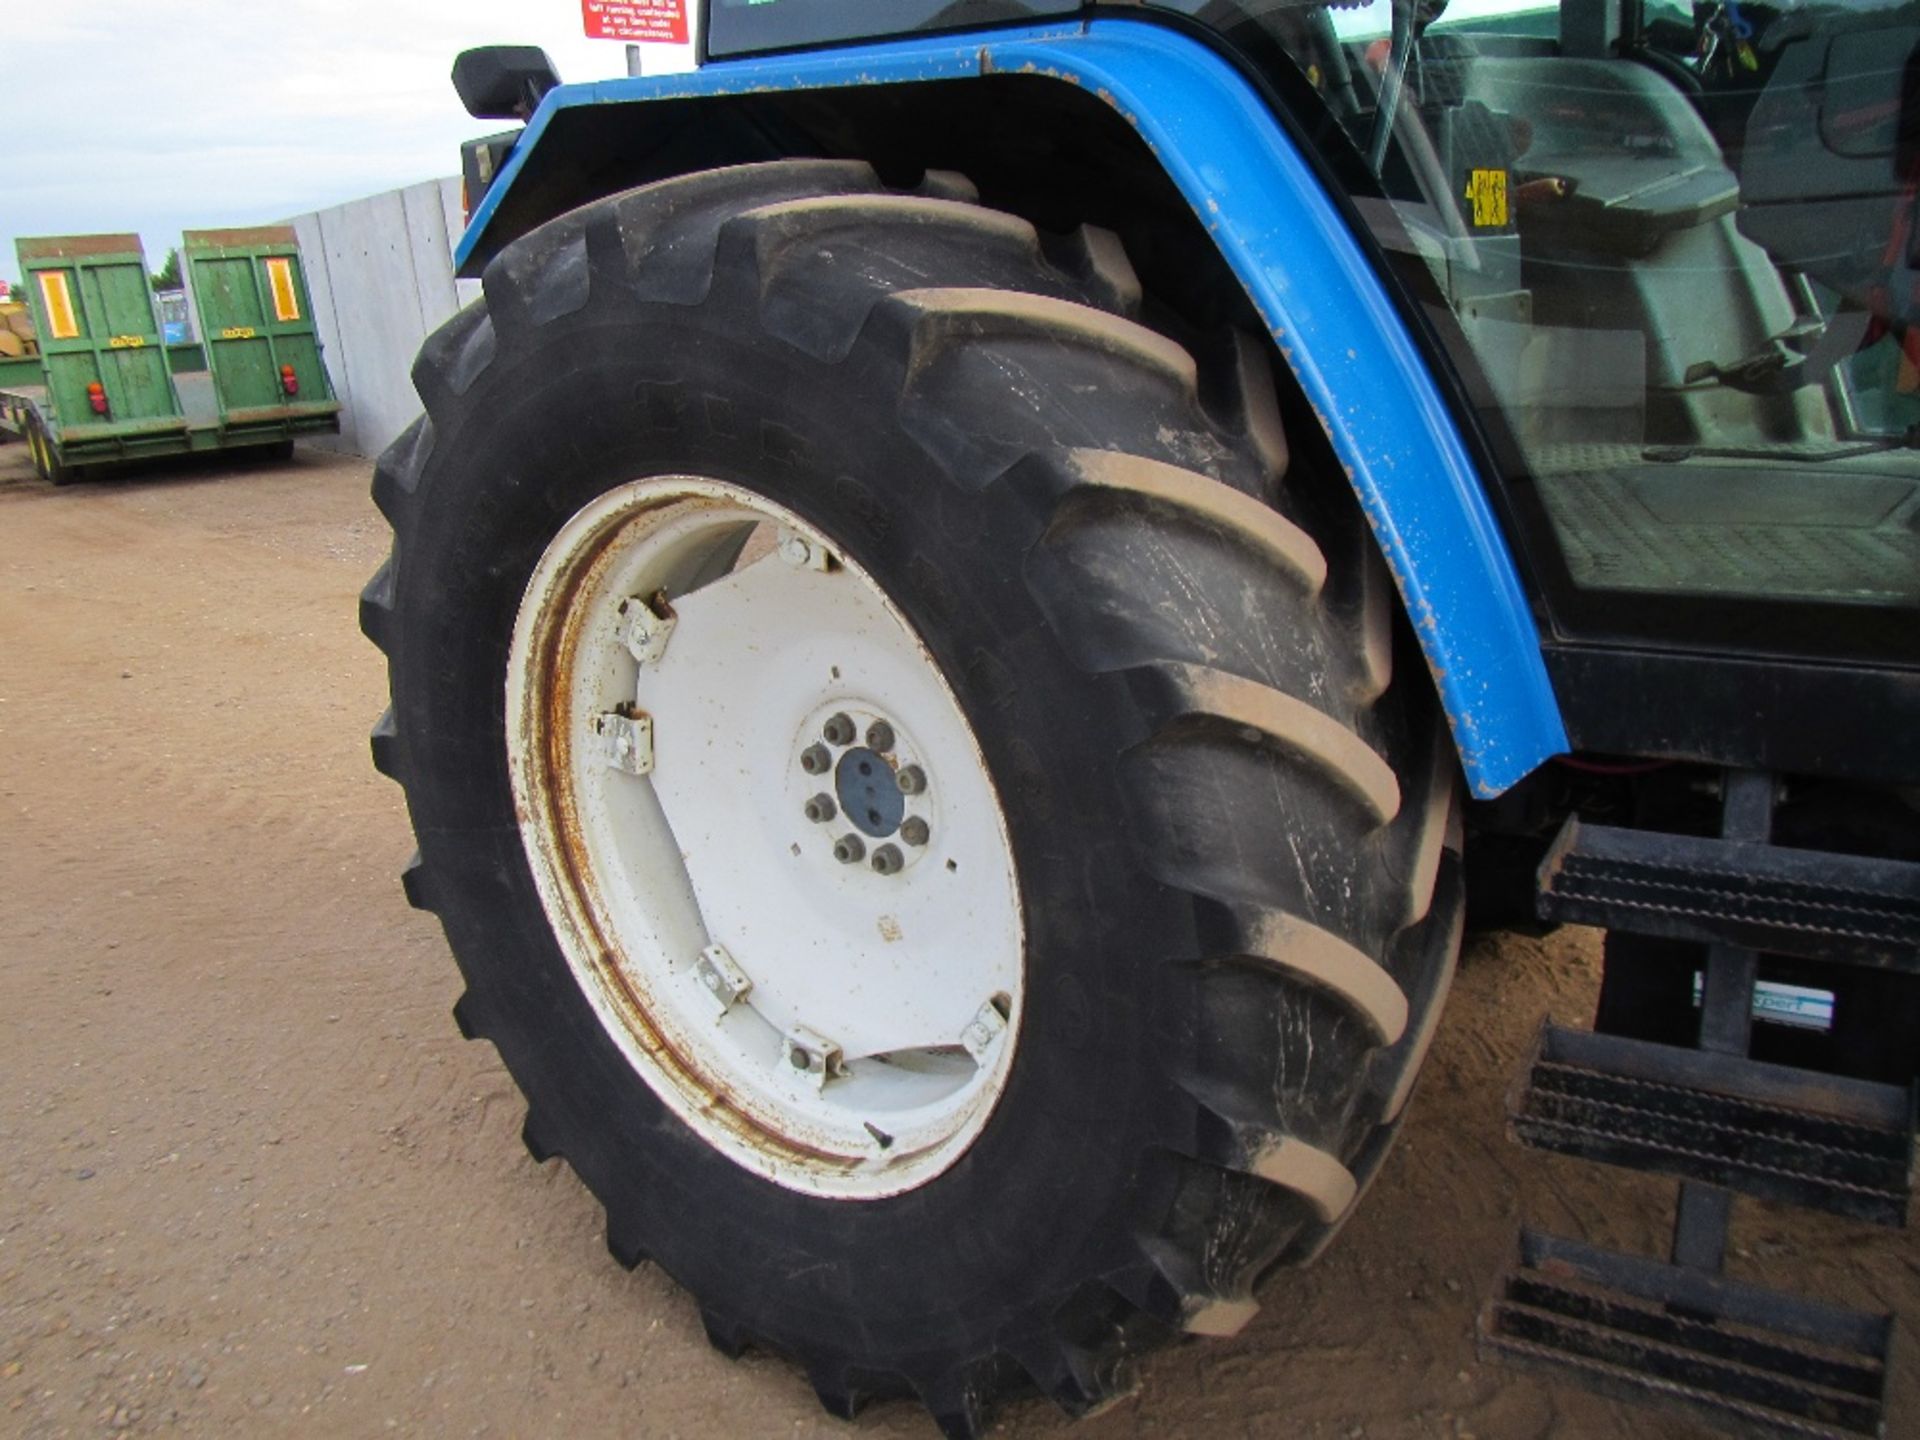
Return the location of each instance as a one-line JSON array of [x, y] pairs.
[[380, 271]]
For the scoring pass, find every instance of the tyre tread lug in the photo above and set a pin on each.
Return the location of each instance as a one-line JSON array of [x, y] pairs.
[[962, 1400], [1313, 1174], [463, 1018], [1105, 269], [415, 880], [533, 1135], [1254, 406], [723, 1334], [1333, 749], [844, 1395], [944, 316], [1437, 939], [384, 742], [1298, 949], [1080, 1380], [1201, 1306], [376, 606], [819, 282], [396, 476], [625, 1244], [1373, 630], [454, 357], [1431, 826], [1107, 475], [664, 239], [539, 278], [948, 185]]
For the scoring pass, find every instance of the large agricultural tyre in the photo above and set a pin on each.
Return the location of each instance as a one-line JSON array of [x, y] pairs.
[[924, 805]]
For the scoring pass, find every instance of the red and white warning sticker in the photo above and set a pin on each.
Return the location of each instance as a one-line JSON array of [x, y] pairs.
[[659, 20]]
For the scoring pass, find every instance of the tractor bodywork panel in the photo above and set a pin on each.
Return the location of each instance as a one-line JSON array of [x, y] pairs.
[[1314, 288]]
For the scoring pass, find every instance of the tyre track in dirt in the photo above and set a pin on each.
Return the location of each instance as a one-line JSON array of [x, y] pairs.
[[256, 1184]]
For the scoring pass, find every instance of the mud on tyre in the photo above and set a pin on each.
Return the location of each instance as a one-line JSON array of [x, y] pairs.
[[1225, 801]]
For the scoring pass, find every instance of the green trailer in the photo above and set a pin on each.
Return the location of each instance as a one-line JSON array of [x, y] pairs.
[[106, 392], [256, 324]]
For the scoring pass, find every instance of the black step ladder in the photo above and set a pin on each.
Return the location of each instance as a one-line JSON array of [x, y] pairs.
[[1757, 1362]]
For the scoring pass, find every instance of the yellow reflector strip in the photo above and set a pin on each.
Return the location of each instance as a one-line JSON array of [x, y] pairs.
[[286, 305], [58, 299]]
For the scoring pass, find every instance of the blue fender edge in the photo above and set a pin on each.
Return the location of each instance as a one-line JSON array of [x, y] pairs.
[[1312, 285]]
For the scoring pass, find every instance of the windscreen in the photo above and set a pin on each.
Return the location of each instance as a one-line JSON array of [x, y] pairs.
[[738, 27]]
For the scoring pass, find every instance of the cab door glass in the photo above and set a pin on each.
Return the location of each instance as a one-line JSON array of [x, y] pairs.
[[1674, 253]]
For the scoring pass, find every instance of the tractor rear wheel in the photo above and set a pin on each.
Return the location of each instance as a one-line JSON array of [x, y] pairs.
[[924, 802]]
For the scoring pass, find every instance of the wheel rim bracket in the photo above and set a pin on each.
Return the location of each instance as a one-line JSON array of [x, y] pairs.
[[626, 741]]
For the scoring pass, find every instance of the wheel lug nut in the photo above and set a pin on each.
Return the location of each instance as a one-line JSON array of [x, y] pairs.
[[887, 859], [912, 779], [839, 730], [816, 759], [849, 849], [914, 830], [821, 809], [880, 736]]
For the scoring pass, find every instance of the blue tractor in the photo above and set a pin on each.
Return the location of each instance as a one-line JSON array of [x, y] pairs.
[[992, 581]]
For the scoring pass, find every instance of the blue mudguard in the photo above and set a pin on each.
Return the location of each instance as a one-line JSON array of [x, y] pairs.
[[1312, 284]]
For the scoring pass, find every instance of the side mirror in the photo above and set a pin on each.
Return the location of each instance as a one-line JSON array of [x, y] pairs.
[[503, 82]]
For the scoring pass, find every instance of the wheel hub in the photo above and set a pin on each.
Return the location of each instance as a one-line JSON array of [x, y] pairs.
[[879, 793], [869, 793], [724, 739]]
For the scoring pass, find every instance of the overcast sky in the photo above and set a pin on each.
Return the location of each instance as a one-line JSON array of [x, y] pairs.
[[190, 114]]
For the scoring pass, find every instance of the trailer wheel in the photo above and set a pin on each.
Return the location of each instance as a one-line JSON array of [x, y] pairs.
[[923, 802], [46, 459]]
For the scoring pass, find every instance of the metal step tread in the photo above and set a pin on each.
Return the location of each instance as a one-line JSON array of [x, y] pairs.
[[1819, 1141], [1808, 903], [1759, 1362]]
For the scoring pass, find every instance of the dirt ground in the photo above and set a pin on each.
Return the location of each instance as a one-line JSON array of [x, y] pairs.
[[255, 1184]]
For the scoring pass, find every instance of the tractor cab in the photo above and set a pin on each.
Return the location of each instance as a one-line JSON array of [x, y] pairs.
[[951, 595], [1669, 255]]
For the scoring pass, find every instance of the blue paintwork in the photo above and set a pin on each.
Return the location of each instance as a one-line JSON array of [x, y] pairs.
[[1316, 291], [899, 62]]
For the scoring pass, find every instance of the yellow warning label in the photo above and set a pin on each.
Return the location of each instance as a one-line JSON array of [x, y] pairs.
[[286, 304], [1487, 191], [237, 332], [54, 294], [126, 342]]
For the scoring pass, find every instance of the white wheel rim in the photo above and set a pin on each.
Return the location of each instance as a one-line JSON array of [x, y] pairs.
[[881, 1001]]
